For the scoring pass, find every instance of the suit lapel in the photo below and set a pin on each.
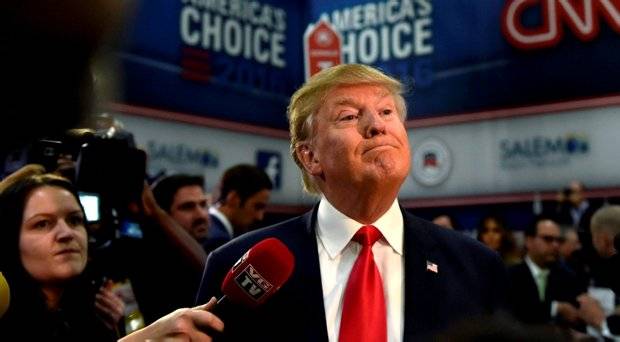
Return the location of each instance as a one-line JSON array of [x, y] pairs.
[[316, 328], [531, 288], [421, 290], [304, 293]]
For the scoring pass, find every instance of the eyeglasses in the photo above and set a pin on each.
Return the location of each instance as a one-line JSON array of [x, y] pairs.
[[551, 239]]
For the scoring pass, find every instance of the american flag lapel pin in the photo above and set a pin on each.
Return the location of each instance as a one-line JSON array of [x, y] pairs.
[[432, 267]]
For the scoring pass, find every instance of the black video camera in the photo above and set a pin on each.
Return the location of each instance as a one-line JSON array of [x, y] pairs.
[[112, 169], [107, 167]]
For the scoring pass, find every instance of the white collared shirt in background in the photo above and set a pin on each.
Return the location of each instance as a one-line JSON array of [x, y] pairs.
[[535, 270], [337, 254], [217, 213]]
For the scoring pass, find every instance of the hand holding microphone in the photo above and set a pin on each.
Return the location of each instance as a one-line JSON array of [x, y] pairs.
[[181, 325], [254, 278]]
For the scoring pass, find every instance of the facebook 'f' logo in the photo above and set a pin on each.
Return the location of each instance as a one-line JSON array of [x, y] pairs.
[[271, 163]]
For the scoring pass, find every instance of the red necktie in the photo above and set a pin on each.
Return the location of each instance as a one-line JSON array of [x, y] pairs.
[[363, 310]]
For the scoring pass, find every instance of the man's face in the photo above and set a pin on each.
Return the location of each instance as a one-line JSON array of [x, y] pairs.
[[570, 244], [189, 209], [576, 193], [250, 212], [544, 248], [358, 139], [603, 243]]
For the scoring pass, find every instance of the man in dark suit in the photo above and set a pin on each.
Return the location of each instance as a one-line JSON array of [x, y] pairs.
[[244, 191], [349, 140], [543, 290]]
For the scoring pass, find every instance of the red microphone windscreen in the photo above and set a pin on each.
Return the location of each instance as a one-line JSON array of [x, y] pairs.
[[260, 272]]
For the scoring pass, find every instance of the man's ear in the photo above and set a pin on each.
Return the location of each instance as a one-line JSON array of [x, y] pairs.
[[232, 199], [308, 158]]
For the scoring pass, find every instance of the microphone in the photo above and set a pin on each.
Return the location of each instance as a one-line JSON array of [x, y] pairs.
[[5, 295], [258, 274]]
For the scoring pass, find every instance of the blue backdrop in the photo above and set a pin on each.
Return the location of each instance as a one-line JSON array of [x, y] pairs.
[[242, 60]]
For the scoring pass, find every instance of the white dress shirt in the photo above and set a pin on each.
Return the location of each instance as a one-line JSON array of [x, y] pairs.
[[337, 254], [217, 213], [536, 272]]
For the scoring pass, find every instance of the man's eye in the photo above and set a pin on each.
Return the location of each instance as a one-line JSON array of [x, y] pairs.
[[387, 112], [348, 117]]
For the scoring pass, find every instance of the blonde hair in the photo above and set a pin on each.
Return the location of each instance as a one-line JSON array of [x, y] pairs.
[[308, 99], [606, 219]]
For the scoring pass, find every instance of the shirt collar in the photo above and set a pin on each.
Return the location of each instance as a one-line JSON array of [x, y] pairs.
[[335, 229], [583, 206], [217, 213], [535, 269]]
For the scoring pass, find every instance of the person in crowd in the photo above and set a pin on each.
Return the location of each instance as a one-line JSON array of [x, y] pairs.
[[43, 255], [107, 126], [162, 258], [542, 290], [244, 192], [184, 198], [349, 140], [445, 221], [605, 226], [571, 254], [493, 233], [570, 243], [574, 209], [572, 205]]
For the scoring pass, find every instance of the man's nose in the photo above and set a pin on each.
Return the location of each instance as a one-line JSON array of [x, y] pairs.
[[373, 122], [201, 212]]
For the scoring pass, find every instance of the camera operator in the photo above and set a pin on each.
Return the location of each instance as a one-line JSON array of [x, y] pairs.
[[161, 259], [133, 241], [152, 250]]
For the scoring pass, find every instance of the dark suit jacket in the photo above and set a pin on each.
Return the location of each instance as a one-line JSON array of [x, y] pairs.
[[217, 234], [562, 285], [470, 281]]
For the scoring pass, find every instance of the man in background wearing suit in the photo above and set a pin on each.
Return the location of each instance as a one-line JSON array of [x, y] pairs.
[[349, 140], [543, 290], [244, 192], [183, 197]]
